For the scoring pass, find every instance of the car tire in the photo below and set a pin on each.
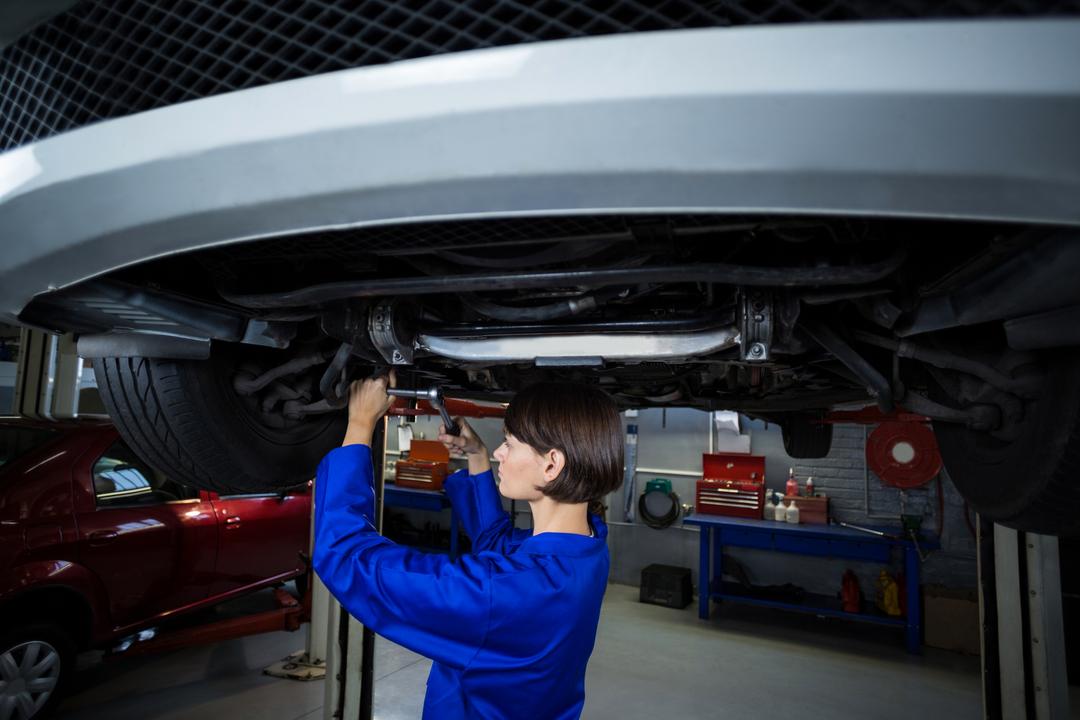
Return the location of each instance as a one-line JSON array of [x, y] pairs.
[[184, 418], [805, 436], [1033, 482], [46, 641]]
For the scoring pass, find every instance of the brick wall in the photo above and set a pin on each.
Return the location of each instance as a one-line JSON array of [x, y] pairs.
[[676, 439]]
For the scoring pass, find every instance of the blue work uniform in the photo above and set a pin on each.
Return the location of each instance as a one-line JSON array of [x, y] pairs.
[[510, 627]]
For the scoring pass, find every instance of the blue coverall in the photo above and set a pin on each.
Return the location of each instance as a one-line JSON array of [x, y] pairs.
[[510, 627]]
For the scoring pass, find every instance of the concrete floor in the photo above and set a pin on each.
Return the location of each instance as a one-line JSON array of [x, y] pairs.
[[649, 662]]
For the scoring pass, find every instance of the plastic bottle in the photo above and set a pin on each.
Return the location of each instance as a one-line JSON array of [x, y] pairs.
[[810, 486], [792, 513], [792, 487]]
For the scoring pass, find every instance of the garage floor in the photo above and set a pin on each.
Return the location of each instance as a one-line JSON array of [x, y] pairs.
[[649, 662]]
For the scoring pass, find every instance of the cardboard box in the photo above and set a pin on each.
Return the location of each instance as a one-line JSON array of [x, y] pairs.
[[812, 510], [951, 619]]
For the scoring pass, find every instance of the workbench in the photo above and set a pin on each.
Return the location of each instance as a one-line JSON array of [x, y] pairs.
[[828, 541], [429, 500]]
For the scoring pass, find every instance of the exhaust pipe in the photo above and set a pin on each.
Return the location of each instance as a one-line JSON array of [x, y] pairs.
[[583, 349]]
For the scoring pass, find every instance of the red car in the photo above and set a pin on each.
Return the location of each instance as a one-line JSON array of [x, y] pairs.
[[96, 545]]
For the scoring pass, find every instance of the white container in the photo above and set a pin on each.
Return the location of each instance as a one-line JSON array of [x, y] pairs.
[[779, 512], [792, 513]]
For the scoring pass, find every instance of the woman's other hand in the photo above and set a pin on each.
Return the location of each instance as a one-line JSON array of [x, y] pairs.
[[466, 442], [469, 443]]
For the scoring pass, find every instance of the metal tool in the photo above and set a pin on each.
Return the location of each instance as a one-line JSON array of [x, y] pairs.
[[435, 399], [866, 530]]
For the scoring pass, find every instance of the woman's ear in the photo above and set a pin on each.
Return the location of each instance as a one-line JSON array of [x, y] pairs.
[[554, 462]]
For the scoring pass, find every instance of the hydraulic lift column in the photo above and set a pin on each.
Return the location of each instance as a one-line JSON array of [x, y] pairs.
[[350, 647], [47, 376], [1023, 642]]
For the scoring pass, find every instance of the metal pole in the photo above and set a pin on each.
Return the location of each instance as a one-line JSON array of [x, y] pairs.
[[1010, 623], [1047, 635], [367, 666], [988, 620], [350, 692]]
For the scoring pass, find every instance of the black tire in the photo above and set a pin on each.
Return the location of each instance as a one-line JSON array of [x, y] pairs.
[[183, 417], [43, 639], [1033, 482], [805, 436]]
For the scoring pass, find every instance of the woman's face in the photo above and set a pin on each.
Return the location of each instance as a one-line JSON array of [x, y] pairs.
[[521, 469]]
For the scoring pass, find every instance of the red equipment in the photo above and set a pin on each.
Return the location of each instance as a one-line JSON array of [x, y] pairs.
[[731, 484], [903, 454], [425, 468], [850, 593]]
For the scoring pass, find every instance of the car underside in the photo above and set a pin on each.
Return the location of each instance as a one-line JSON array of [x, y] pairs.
[[782, 220], [782, 318]]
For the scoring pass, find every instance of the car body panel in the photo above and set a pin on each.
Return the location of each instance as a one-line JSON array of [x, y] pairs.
[[132, 565], [972, 120], [150, 557], [252, 529]]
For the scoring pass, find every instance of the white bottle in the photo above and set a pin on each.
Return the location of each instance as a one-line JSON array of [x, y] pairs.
[[778, 510], [792, 513]]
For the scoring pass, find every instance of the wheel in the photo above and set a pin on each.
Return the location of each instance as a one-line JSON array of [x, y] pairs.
[[805, 436], [36, 664], [184, 418], [1031, 483]]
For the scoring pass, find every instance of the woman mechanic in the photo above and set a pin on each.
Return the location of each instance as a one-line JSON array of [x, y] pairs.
[[511, 626]]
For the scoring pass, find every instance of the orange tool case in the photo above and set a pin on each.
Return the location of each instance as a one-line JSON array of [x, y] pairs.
[[425, 468], [731, 484]]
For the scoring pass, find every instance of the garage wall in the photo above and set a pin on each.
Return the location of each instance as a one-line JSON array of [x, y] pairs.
[[675, 440]]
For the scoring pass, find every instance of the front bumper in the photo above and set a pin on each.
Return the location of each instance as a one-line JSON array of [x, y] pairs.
[[965, 120]]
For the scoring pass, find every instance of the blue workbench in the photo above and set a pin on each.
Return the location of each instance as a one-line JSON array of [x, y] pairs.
[[430, 500], [816, 540]]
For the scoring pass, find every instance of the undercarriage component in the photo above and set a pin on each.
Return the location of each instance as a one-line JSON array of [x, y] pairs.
[[976, 417], [582, 349], [950, 361], [684, 324], [245, 385], [1040, 279], [392, 327], [143, 345], [1056, 328], [332, 384], [876, 383], [755, 341], [552, 311], [750, 276]]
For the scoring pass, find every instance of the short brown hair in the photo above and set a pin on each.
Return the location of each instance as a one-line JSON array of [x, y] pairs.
[[581, 421]]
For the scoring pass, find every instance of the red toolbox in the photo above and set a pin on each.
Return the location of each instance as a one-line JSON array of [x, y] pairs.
[[731, 484], [425, 468]]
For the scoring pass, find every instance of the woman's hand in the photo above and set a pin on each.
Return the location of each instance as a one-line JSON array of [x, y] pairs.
[[469, 443], [466, 442], [368, 402]]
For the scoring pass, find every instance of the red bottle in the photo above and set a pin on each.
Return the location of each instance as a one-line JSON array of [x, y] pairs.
[[792, 487], [850, 593]]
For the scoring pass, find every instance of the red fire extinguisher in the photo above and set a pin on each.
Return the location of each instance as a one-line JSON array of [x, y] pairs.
[[850, 593]]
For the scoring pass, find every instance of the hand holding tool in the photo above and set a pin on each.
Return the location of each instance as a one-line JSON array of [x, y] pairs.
[[435, 399]]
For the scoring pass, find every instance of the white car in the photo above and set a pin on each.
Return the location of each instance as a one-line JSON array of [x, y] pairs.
[[237, 207]]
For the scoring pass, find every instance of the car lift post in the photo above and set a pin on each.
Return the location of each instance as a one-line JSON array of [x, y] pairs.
[[350, 647], [1023, 637], [47, 376]]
